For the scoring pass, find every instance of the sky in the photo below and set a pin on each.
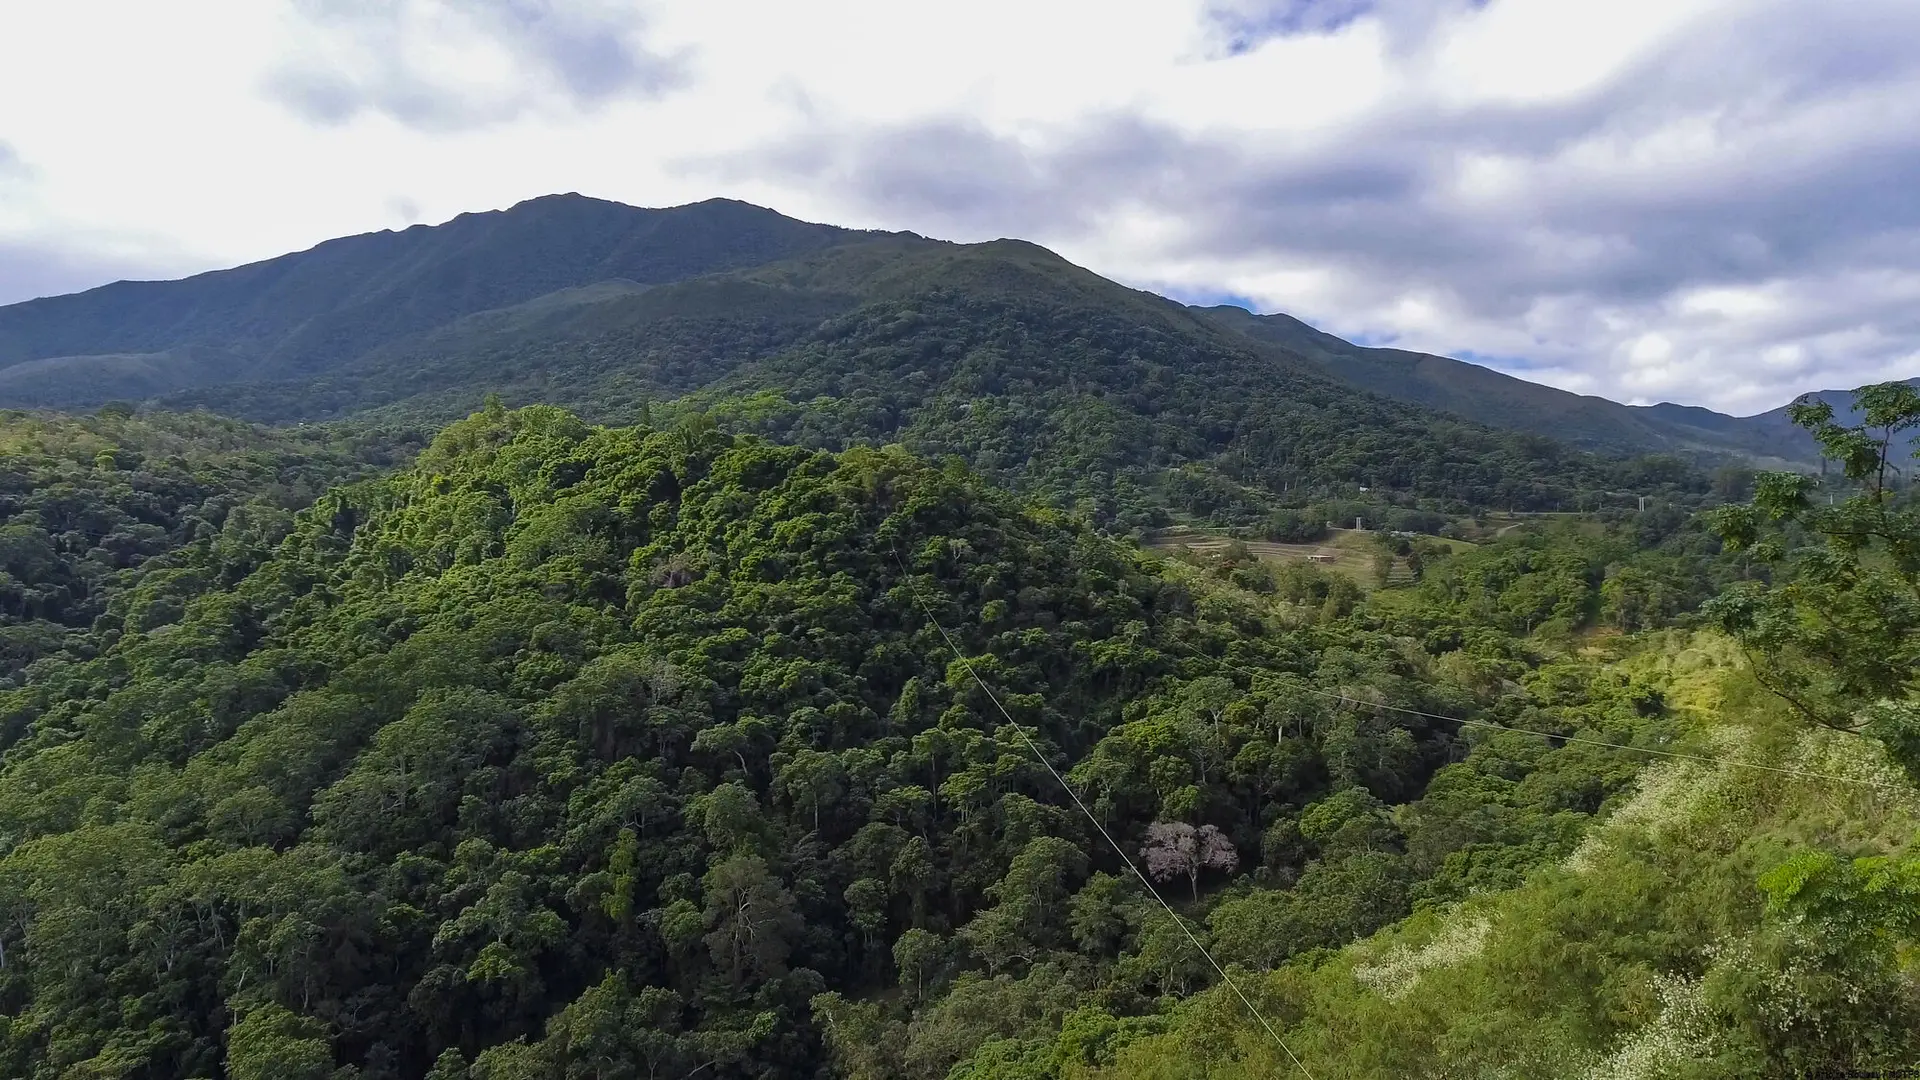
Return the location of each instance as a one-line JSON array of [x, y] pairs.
[[1714, 202]]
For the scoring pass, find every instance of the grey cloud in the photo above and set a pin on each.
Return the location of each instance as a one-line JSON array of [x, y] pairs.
[[404, 208], [31, 269], [1245, 25], [1806, 189], [1240, 25], [581, 53], [953, 175]]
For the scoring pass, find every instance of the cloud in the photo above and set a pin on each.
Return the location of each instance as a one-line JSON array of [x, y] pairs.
[[1238, 26], [12, 165], [36, 268], [1707, 201], [1725, 214], [405, 209], [443, 65]]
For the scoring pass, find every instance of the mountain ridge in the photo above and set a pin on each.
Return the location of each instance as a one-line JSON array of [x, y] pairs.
[[1489, 396], [297, 312], [297, 337]]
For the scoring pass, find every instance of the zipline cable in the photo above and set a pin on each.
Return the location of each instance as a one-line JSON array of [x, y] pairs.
[[1102, 829]]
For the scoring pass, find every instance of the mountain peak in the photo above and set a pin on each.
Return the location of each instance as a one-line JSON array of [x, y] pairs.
[[304, 312]]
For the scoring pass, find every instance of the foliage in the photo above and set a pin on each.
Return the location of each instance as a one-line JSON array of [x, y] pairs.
[[1123, 412], [1175, 849], [1837, 633], [1747, 912], [1691, 933], [573, 745], [121, 516]]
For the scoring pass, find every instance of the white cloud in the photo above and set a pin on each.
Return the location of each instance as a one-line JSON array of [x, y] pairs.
[[448, 65], [1563, 182]]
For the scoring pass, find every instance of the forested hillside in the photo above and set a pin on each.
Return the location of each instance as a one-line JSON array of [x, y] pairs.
[[573, 749], [601, 306], [93, 508], [1722, 922], [1750, 908], [1051, 380], [785, 696]]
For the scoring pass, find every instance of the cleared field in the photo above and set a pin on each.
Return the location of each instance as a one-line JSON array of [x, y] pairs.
[[1345, 551]]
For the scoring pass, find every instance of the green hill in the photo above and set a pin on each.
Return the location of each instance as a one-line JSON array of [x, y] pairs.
[[573, 745], [120, 516], [1683, 936], [587, 751], [720, 730]]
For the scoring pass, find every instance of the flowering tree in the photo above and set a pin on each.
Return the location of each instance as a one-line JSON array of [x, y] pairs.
[[1175, 847]]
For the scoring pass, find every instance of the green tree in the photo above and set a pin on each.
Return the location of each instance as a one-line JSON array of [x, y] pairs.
[[1837, 632], [270, 1043], [750, 918]]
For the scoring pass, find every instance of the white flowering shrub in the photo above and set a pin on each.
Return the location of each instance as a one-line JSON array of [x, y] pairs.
[[1681, 1033], [1396, 971]]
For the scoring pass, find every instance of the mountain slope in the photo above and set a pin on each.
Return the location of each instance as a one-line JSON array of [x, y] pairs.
[[1489, 397], [114, 515], [1776, 420], [1040, 373], [606, 308], [522, 298], [304, 313]]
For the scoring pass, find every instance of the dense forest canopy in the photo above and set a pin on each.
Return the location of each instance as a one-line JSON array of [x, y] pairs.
[[571, 744], [93, 506], [1749, 911], [800, 704]]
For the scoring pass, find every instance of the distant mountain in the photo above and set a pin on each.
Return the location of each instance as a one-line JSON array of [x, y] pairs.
[[1777, 421], [1003, 352], [1489, 397], [307, 313]]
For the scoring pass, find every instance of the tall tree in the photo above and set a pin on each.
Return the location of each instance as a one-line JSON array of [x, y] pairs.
[[1837, 631]]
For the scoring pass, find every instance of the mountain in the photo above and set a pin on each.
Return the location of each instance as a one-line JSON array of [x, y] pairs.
[[310, 311], [1000, 349], [1777, 423], [1498, 400], [1040, 373]]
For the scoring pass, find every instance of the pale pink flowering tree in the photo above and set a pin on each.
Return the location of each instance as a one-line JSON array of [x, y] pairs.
[[1174, 847]]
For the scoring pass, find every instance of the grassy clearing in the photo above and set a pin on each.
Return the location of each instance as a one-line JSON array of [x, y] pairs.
[[1348, 552]]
